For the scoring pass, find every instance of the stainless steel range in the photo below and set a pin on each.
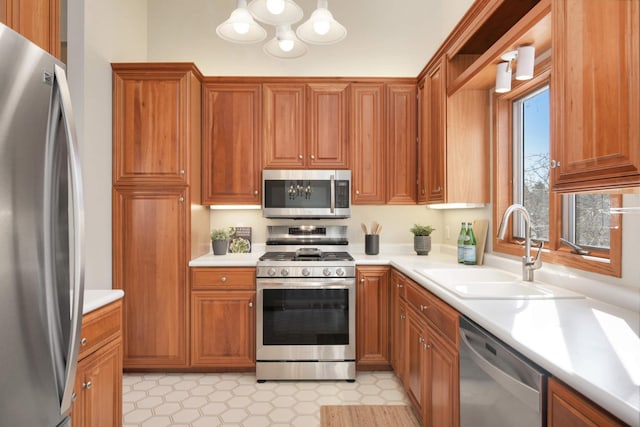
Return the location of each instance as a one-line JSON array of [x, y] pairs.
[[306, 305]]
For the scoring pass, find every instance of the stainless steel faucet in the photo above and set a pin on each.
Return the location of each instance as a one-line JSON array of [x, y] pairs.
[[529, 264]]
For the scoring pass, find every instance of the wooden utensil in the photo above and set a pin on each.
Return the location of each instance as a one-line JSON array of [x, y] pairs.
[[374, 227], [364, 228]]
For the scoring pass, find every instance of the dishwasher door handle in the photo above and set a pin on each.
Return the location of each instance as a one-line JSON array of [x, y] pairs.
[[526, 394]]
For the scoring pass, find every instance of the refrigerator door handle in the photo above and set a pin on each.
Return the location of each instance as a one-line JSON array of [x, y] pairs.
[[64, 343]]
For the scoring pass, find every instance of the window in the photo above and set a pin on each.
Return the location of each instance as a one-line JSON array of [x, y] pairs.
[[577, 229]]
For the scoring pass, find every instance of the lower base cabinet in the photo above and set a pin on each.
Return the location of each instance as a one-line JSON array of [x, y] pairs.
[[567, 408], [372, 318], [98, 387], [223, 318]]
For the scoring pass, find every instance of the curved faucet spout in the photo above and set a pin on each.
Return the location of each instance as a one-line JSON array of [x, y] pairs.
[[528, 263]]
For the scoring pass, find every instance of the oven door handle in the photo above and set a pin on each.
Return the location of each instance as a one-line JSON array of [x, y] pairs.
[[294, 284]]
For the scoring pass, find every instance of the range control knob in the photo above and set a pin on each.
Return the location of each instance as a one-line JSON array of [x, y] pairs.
[[306, 272], [284, 272], [340, 271], [326, 272], [271, 272]]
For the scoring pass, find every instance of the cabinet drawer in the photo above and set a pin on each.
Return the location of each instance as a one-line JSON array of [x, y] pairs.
[[99, 327], [223, 278], [439, 314]]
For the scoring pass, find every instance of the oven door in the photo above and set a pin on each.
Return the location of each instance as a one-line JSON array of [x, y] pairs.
[[305, 319]]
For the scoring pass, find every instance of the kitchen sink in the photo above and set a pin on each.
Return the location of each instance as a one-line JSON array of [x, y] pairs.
[[491, 283]]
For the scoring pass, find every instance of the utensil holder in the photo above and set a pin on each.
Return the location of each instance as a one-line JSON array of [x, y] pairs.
[[371, 244]]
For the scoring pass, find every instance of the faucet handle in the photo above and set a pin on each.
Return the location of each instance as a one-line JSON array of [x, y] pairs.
[[537, 262]]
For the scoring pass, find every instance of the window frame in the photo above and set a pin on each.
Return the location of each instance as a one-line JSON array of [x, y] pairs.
[[599, 261]]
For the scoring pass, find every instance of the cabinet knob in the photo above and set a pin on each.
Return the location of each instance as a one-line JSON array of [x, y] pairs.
[[357, 192], [398, 285], [427, 346], [87, 385], [423, 307], [181, 171], [439, 188], [74, 396], [300, 156], [554, 164], [250, 304], [255, 192], [362, 281], [424, 191], [83, 342], [313, 157], [181, 199], [420, 340], [402, 317], [223, 279]]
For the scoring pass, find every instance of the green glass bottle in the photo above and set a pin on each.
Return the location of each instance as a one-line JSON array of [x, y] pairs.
[[461, 238], [470, 246]]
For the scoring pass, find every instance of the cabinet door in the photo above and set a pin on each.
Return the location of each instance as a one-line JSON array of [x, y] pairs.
[[223, 326], [37, 20], [434, 133], [150, 265], [372, 318], [368, 144], [596, 97], [284, 126], [398, 321], [401, 143], [566, 408], [415, 381], [151, 132], [231, 144], [99, 388], [443, 382], [328, 121]]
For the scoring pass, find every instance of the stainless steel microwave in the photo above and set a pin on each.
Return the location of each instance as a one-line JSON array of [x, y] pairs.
[[306, 193]]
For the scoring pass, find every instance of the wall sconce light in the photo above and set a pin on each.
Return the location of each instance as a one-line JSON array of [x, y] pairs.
[[525, 59]]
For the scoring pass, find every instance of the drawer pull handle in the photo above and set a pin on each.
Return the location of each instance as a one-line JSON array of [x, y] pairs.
[[83, 342], [87, 385], [223, 279]]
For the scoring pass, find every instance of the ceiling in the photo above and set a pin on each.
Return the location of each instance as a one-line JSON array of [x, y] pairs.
[[384, 38]]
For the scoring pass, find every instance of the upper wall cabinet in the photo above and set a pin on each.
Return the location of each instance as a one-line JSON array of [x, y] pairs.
[[156, 120], [368, 144], [595, 95], [37, 20], [401, 143], [306, 125], [231, 143]]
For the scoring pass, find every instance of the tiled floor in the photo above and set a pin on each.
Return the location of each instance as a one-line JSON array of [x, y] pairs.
[[236, 399]]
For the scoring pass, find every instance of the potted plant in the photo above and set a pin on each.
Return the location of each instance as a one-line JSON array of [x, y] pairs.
[[422, 238], [220, 240]]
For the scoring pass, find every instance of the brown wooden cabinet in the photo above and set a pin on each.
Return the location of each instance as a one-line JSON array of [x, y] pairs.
[[37, 20], [150, 263], [368, 144], [306, 125], [232, 143], [567, 408], [98, 386], [431, 372], [595, 106], [401, 143], [158, 225], [223, 318], [372, 318]]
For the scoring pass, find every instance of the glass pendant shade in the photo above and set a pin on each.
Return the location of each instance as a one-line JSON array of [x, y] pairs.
[[241, 27], [263, 11], [321, 27], [285, 44], [503, 77]]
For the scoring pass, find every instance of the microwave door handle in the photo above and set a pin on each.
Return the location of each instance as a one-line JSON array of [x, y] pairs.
[[333, 194]]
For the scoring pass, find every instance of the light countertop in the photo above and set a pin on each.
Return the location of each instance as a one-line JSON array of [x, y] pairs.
[[592, 345], [94, 299]]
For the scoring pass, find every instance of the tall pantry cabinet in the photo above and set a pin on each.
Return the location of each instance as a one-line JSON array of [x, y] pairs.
[[158, 225]]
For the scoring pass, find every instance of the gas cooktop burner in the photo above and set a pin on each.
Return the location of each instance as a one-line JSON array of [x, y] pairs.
[[306, 254]]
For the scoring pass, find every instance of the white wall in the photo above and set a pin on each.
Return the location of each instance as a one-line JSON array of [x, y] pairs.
[[100, 32], [384, 38], [396, 221]]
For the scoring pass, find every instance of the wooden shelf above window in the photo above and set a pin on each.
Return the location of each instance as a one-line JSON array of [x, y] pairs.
[[471, 62]]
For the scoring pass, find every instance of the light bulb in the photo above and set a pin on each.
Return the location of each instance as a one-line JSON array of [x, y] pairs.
[[241, 27], [321, 27], [286, 45], [275, 7]]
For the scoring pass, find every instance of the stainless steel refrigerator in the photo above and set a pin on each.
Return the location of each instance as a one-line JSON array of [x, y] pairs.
[[41, 237]]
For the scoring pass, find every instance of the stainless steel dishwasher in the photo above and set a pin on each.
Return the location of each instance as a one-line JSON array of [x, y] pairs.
[[498, 386]]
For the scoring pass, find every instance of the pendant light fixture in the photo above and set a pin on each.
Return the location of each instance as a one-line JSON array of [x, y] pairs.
[[321, 27], [241, 27]]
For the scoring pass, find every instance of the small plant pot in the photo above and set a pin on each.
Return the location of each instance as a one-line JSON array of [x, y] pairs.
[[422, 244], [219, 247]]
